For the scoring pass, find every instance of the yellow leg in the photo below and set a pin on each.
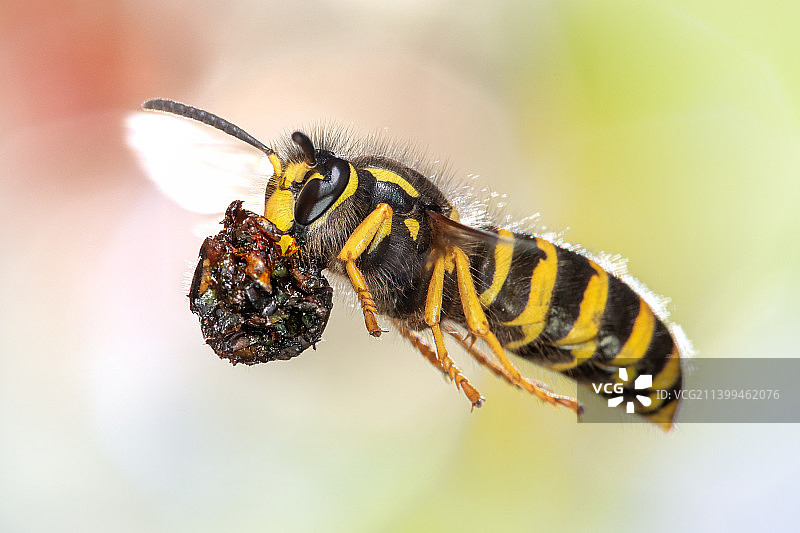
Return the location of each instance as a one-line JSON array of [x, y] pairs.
[[478, 325], [468, 343], [433, 312], [352, 249], [461, 382], [365, 297]]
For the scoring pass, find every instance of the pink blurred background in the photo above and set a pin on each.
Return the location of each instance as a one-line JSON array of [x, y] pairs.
[[661, 130]]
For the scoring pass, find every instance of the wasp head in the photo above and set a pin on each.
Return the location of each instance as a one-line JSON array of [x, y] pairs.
[[303, 190]]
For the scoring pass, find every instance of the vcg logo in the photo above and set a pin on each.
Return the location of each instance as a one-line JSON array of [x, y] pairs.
[[645, 381]]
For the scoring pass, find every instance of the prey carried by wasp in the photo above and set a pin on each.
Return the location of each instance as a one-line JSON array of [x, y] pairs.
[[372, 219]]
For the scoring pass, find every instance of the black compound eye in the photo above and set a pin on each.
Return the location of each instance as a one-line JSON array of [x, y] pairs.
[[318, 195]]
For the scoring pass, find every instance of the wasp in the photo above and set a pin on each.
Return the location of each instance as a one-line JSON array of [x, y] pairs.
[[391, 232]]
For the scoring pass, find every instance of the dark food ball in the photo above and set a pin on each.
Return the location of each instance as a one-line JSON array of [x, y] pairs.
[[256, 305]]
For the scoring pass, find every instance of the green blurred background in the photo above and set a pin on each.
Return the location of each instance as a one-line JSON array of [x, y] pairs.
[[665, 131]]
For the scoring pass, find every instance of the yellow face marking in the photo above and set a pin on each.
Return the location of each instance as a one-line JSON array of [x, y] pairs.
[[543, 279], [383, 231], [276, 164], [502, 264], [381, 174], [295, 172], [670, 373], [593, 304], [352, 185], [279, 208], [413, 227], [641, 334]]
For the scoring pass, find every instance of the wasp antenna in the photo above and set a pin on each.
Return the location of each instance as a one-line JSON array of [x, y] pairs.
[[183, 110], [305, 144]]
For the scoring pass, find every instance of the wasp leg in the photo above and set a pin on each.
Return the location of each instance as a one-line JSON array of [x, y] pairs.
[[433, 311], [478, 325], [352, 249], [430, 354], [468, 343]]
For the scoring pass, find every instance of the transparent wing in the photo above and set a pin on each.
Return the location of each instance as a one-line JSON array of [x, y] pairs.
[[199, 167], [449, 232]]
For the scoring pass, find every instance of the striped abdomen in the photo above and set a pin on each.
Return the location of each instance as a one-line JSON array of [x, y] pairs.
[[562, 310]]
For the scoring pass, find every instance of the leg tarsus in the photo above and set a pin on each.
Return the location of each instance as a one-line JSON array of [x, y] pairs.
[[365, 298], [451, 372]]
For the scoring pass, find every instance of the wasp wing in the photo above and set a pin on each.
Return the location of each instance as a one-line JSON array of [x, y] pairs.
[[199, 167], [449, 232]]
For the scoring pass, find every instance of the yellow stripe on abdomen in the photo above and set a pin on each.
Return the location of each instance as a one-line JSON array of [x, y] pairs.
[[670, 373], [641, 335], [582, 338], [503, 252], [593, 305], [532, 319]]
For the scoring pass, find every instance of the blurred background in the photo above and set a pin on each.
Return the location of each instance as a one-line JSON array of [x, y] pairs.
[[665, 131]]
